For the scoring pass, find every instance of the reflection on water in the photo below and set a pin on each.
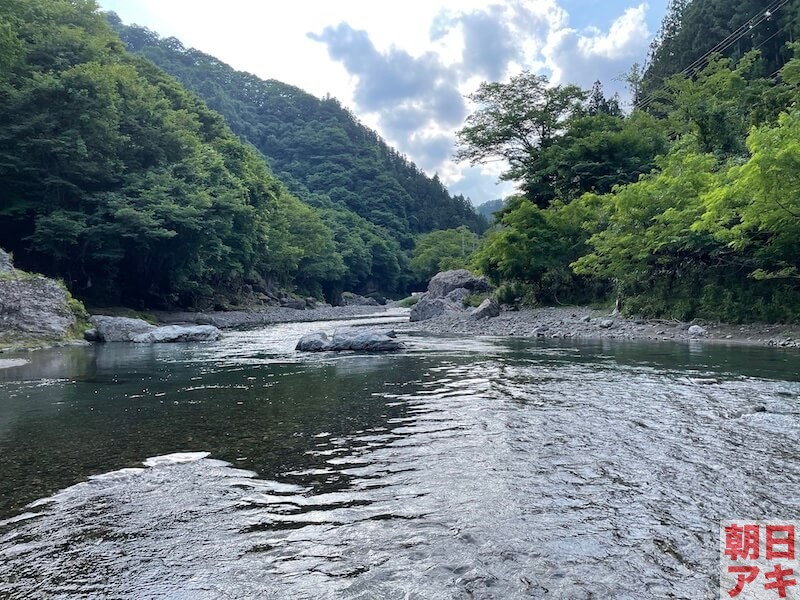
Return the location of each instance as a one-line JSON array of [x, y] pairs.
[[462, 468]]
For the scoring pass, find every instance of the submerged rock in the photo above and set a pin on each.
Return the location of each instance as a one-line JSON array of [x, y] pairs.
[[314, 342], [177, 333], [119, 329], [488, 308], [370, 340]]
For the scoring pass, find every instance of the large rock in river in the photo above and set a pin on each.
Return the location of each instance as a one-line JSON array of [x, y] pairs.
[[488, 308], [178, 333], [119, 329], [445, 282], [357, 340], [429, 308], [33, 307]]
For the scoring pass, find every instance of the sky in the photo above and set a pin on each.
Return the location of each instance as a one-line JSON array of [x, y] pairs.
[[405, 68]]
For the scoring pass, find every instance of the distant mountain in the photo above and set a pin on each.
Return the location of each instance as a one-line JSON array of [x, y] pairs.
[[315, 146], [487, 209]]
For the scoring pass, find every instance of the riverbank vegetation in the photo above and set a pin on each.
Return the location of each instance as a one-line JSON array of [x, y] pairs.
[[688, 206], [120, 180], [129, 188]]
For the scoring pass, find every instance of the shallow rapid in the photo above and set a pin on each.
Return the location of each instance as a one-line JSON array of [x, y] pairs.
[[461, 468]]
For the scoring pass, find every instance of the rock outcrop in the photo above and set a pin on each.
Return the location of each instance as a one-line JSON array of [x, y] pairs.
[[33, 308], [355, 340], [5, 262], [119, 329], [177, 333], [446, 294], [445, 282]]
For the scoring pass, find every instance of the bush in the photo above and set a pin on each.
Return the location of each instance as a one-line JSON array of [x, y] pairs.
[[408, 302], [516, 293]]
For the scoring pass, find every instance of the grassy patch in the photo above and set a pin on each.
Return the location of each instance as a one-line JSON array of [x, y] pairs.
[[121, 311], [475, 300], [408, 302]]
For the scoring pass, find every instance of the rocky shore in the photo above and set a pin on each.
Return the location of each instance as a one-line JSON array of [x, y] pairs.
[[269, 315], [586, 323]]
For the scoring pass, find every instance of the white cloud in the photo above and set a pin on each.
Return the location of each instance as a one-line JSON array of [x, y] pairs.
[[402, 66], [584, 57]]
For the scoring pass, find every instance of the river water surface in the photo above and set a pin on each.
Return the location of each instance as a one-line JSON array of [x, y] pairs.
[[462, 468]]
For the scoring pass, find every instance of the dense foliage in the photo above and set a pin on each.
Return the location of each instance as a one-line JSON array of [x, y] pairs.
[[695, 29], [132, 190], [691, 211], [316, 146], [116, 179]]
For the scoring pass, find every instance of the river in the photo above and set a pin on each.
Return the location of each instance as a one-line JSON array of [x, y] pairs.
[[461, 468]]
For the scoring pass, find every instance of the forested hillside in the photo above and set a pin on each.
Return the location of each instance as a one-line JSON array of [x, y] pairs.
[[132, 190], [316, 146], [693, 30], [687, 207]]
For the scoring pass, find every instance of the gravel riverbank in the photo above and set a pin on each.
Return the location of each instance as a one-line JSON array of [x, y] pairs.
[[583, 322], [235, 319]]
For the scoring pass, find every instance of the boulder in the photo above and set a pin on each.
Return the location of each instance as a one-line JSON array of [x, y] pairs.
[[6, 266], [119, 329], [697, 331], [294, 303], [458, 296], [606, 324], [34, 307], [351, 299], [445, 282], [90, 335], [428, 308], [487, 309], [177, 333], [314, 342], [356, 340]]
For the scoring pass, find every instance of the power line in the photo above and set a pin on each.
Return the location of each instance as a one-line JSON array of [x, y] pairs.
[[746, 28], [743, 30]]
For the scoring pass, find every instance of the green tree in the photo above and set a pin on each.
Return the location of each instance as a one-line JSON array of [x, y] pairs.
[[440, 251], [516, 122]]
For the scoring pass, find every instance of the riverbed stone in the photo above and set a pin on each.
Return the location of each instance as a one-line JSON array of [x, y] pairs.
[[177, 333], [119, 329], [606, 324], [446, 281], [314, 342], [487, 309], [357, 340], [697, 331], [429, 308]]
